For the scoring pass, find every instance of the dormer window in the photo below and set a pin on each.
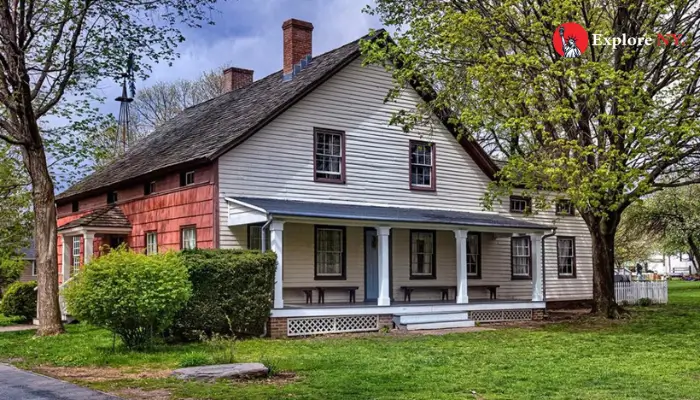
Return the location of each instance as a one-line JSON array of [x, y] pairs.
[[329, 155], [187, 178], [520, 204], [149, 188], [75, 206], [422, 165], [112, 197]]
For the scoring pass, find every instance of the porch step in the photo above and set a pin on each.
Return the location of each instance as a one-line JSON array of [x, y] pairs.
[[438, 325], [433, 320], [427, 317]]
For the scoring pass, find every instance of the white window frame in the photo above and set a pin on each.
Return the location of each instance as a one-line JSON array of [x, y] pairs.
[[188, 237], [325, 142], [34, 272], [75, 255], [324, 254], [417, 161], [474, 256], [571, 256], [526, 203], [189, 178], [151, 243], [427, 256], [521, 254]]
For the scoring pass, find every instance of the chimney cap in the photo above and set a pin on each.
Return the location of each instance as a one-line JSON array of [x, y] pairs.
[[297, 23], [239, 70]]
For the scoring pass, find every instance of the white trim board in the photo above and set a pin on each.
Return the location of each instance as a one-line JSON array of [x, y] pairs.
[[402, 309]]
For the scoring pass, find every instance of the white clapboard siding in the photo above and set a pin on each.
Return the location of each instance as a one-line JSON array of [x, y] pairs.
[[632, 292], [276, 162]]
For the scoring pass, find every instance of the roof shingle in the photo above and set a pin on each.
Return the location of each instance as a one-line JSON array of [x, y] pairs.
[[105, 217]]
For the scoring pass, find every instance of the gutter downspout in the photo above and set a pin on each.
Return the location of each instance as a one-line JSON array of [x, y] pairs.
[[544, 271], [263, 242]]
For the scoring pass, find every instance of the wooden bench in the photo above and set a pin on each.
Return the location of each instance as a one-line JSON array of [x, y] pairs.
[[491, 288], [444, 291], [308, 292], [322, 292]]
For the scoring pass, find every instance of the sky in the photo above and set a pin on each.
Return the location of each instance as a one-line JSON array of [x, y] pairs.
[[248, 34]]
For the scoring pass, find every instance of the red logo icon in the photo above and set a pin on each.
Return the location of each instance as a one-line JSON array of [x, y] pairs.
[[570, 40]]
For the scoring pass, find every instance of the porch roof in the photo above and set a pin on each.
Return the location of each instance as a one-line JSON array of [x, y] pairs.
[[294, 208], [105, 217]]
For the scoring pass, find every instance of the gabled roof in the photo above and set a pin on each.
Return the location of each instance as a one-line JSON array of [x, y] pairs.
[[202, 133], [105, 217], [294, 208]]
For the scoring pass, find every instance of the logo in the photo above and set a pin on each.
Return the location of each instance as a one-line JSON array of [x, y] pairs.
[[570, 40]]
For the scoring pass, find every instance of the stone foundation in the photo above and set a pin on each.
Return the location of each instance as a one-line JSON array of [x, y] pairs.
[[386, 320], [569, 304]]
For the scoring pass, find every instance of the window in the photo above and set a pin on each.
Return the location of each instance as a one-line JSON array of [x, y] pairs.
[[151, 243], [566, 257], [149, 188], [519, 204], [330, 252], [474, 255], [187, 178], [76, 255], [521, 255], [188, 237], [422, 254], [564, 207], [112, 197], [422, 165], [255, 237], [34, 268], [75, 206], [329, 155]]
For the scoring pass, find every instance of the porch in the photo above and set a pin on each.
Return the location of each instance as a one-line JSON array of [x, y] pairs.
[[339, 260]]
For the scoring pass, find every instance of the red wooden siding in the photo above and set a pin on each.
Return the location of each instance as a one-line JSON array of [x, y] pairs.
[[166, 211]]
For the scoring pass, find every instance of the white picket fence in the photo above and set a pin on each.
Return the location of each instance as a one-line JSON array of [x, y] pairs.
[[631, 292]]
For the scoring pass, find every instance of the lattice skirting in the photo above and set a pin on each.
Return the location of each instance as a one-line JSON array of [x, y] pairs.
[[500, 315], [322, 325]]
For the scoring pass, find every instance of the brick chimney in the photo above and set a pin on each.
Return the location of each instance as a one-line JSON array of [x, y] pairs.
[[236, 78], [297, 42]]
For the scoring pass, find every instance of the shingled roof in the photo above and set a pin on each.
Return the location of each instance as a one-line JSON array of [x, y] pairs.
[[105, 217], [202, 133]]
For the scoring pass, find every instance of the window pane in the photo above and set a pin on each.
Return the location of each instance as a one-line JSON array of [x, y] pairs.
[[521, 256], [422, 253], [328, 155], [421, 164], [329, 252], [473, 254]]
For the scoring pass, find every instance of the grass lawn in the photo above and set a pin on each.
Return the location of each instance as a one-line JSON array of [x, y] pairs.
[[654, 355]]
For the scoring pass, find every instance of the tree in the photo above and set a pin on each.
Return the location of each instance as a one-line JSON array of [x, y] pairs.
[[671, 217], [604, 129], [633, 244], [52, 52]]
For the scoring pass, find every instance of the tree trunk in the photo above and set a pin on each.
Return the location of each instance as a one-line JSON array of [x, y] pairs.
[[48, 309], [693, 252], [603, 247]]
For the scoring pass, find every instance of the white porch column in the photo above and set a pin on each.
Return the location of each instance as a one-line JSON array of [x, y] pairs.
[[537, 256], [384, 298], [88, 239], [461, 243], [276, 232], [65, 256]]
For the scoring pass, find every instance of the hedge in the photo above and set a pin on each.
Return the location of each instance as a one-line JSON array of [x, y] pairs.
[[131, 294], [231, 293], [20, 300]]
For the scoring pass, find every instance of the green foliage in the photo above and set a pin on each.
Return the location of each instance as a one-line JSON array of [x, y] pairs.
[[133, 295], [11, 268], [644, 302], [195, 359], [15, 201], [602, 130], [20, 300], [232, 293]]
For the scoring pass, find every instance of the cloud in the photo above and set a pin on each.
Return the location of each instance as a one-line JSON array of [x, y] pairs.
[[248, 34]]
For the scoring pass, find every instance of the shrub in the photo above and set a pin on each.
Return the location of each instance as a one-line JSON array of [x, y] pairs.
[[195, 359], [231, 293], [644, 302], [20, 300], [133, 295]]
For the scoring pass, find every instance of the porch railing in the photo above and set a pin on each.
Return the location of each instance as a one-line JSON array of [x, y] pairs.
[[632, 292]]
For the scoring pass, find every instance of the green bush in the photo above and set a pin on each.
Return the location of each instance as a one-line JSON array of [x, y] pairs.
[[133, 295], [231, 293], [195, 359], [644, 302], [20, 300]]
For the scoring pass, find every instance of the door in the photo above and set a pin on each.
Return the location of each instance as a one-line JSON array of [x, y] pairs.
[[371, 265]]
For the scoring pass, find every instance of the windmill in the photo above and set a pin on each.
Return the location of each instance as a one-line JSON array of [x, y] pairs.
[[124, 137]]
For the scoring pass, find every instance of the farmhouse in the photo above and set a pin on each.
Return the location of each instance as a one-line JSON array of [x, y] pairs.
[[370, 225]]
